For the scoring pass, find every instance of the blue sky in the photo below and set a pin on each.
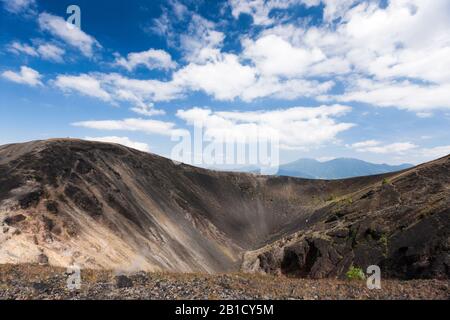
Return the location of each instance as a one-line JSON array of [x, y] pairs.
[[363, 79]]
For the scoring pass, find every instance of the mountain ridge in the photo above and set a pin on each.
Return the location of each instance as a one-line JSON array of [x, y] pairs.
[[339, 168]]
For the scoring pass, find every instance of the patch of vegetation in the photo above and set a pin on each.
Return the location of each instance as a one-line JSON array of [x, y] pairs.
[[385, 181], [384, 242], [355, 273]]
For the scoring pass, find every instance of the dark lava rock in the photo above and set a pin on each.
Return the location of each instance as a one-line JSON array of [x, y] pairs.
[[11, 221], [88, 203], [42, 259], [123, 282], [41, 287], [52, 206], [30, 199]]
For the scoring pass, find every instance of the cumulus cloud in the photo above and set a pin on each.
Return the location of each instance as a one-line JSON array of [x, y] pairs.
[[227, 78], [148, 126], [390, 56], [125, 141], [403, 44], [386, 56], [72, 35], [151, 59], [297, 128], [26, 76], [224, 79], [273, 56]]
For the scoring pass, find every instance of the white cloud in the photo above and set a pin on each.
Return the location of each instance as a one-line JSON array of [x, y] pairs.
[[151, 59], [161, 25], [336, 9], [132, 124], [403, 57], [51, 52], [224, 79], [403, 151], [147, 110], [385, 56], [297, 127], [68, 33], [22, 48], [375, 146], [26, 75], [273, 56], [393, 43], [435, 152], [365, 144], [284, 89], [403, 95], [85, 84], [18, 6], [125, 141], [114, 88], [424, 114], [201, 43], [46, 51], [260, 9], [142, 93]]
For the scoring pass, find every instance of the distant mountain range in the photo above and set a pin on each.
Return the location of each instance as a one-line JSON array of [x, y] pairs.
[[340, 168]]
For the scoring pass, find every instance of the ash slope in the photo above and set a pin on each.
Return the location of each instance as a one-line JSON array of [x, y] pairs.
[[107, 206]]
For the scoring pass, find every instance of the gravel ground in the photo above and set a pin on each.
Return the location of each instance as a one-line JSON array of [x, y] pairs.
[[42, 282]]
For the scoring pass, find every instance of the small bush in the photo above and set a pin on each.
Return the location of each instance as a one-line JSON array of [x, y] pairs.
[[385, 181], [384, 242], [355, 273]]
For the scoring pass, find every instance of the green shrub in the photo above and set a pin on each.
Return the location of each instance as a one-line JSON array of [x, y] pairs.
[[355, 273], [384, 242], [385, 181]]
